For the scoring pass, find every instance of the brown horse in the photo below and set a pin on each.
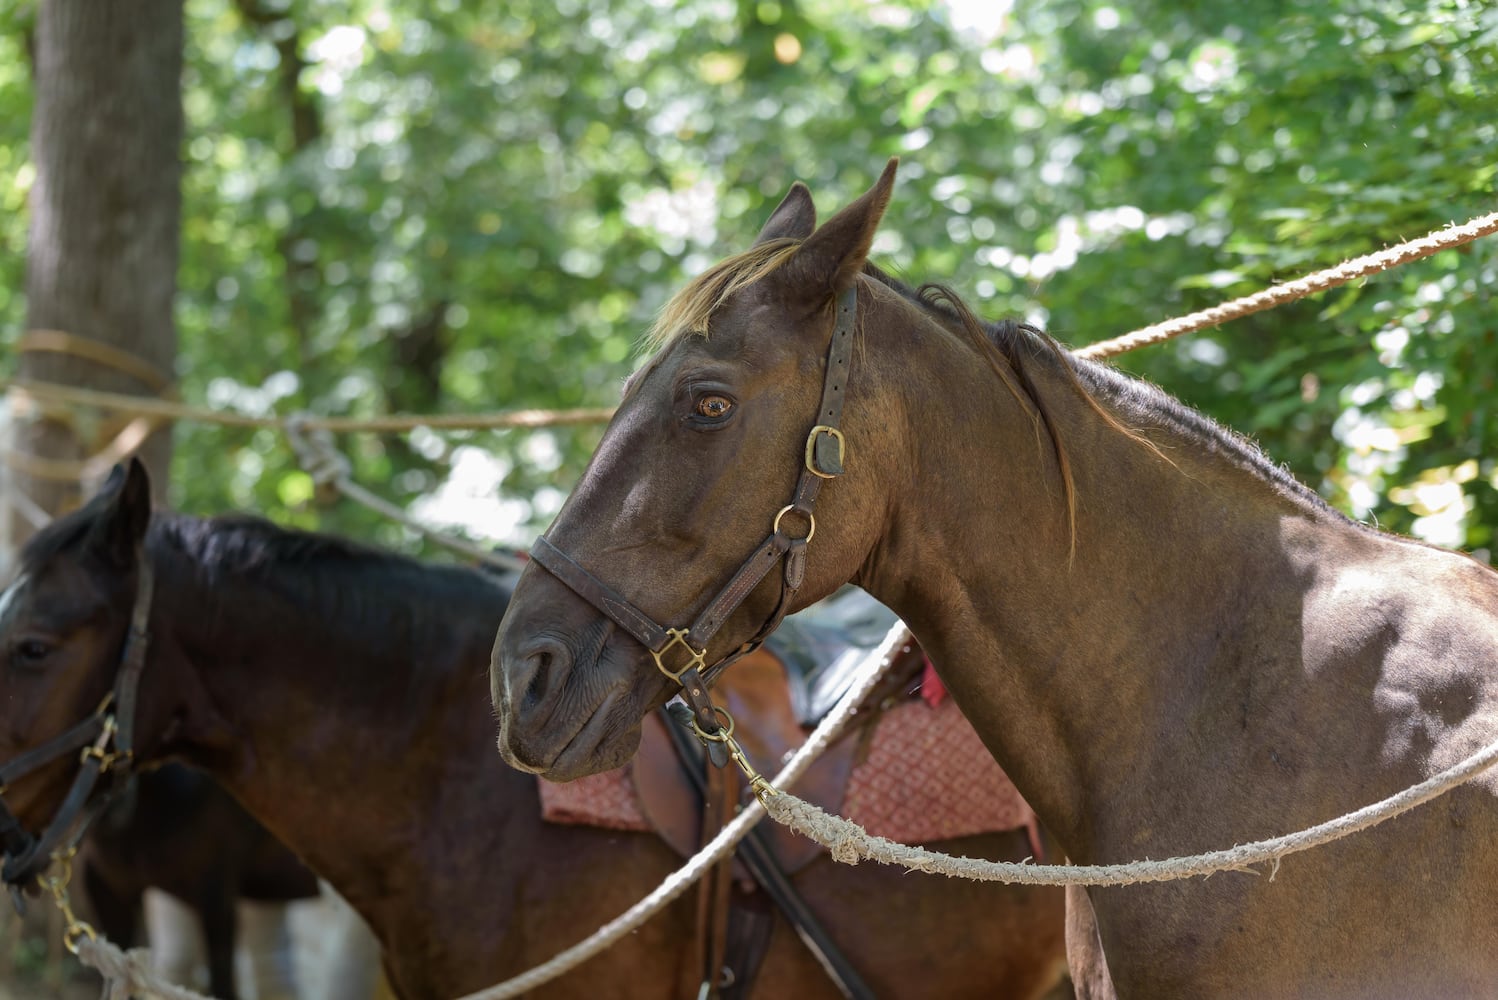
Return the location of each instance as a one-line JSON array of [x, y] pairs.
[[178, 831], [1170, 644], [339, 693]]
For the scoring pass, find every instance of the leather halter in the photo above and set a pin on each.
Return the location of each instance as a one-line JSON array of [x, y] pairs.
[[105, 741], [823, 460]]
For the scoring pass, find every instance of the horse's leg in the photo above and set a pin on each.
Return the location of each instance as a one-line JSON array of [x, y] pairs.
[[1084, 949], [116, 913], [215, 906]]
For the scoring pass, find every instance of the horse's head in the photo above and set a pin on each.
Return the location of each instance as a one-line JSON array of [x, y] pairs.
[[711, 454], [64, 619]]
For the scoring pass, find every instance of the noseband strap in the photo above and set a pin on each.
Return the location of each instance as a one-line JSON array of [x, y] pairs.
[[104, 742], [822, 460]]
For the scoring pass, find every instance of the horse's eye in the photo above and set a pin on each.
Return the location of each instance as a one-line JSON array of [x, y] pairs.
[[32, 652], [714, 407]]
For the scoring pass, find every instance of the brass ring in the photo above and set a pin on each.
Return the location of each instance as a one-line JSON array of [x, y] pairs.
[[722, 735], [72, 937], [775, 528]]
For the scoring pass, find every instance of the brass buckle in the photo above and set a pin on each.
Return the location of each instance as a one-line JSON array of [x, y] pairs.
[[106, 758], [811, 444], [775, 528], [679, 636]]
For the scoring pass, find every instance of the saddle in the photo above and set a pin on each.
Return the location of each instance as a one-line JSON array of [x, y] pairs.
[[822, 648], [769, 729], [889, 774]]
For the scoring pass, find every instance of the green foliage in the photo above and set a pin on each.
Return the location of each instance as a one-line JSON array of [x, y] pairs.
[[475, 206], [15, 169]]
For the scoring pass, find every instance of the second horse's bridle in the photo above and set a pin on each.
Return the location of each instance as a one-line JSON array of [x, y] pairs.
[[823, 460], [104, 742]]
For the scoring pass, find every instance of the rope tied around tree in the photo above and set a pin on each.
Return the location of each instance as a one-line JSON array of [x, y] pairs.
[[106, 444]]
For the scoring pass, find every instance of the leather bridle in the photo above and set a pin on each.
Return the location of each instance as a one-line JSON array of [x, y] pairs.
[[823, 460], [105, 742]]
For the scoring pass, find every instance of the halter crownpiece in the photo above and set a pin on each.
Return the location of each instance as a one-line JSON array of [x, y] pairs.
[[823, 460]]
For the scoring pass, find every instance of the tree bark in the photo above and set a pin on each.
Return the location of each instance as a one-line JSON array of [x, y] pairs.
[[106, 205]]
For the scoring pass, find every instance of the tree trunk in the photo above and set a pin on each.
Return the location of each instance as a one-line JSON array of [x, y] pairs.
[[106, 205]]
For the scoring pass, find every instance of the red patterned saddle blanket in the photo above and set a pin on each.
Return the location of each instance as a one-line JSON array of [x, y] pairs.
[[916, 773]]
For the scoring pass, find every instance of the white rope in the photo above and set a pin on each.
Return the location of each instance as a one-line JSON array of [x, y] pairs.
[[850, 843], [127, 975], [1276, 295], [680, 880], [28, 508], [320, 459]]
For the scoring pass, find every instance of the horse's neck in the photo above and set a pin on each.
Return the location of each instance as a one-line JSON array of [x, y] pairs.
[[329, 730], [1065, 659]]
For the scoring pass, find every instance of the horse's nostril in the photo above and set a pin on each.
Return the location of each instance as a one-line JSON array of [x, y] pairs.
[[536, 690], [542, 669]]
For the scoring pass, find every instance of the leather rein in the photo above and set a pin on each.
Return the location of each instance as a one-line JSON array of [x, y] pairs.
[[823, 460], [104, 742]]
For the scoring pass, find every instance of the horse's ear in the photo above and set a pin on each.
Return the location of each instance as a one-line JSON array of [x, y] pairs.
[[831, 257], [124, 513], [795, 218]]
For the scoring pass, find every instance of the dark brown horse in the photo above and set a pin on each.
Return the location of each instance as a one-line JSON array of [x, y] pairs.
[[1170, 644], [177, 831], [340, 693]]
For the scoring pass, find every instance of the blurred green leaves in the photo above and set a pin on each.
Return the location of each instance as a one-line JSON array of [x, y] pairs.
[[476, 206]]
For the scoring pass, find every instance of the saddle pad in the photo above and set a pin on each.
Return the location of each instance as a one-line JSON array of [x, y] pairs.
[[928, 776], [904, 789], [606, 799]]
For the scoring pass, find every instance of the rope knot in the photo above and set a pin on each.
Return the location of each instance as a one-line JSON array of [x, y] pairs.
[[316, 453]]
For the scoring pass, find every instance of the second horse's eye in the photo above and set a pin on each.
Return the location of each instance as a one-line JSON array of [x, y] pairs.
[[714, 407]]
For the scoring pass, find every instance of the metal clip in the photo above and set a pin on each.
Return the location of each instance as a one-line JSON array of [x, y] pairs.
[[75, 930], [758, 783]]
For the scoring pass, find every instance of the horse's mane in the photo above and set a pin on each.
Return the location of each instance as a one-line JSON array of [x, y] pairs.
[[242, 545], [1144, 404], [399, 620], [688, 311], [1135, 404], [1011, 349]]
